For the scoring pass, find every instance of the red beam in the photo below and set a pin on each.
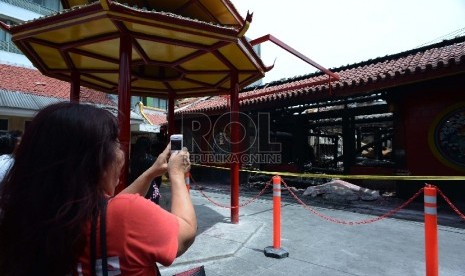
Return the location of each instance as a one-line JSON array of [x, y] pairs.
[[171, 100], [166, 40], [204, 84], [140, 51], [27, 49], [95, 56], [252, 55], [294, 52], [124, 104], [177, 24], [86, 71], [80, 15], [225, 61], [200, 52], [100, 79], [235, 138], [75, 86], [90, 40]]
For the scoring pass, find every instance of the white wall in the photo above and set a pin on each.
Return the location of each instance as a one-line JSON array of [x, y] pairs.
[[15, 59]]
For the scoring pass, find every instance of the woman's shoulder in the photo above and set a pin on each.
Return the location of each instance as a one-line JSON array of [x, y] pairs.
[[127, 199], [131, 201], [135, 210]]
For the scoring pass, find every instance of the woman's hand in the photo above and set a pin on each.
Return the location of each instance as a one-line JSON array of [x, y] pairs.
[[179, 162], [160, 166]]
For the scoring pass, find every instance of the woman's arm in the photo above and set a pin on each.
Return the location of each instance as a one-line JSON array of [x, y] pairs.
[[181, 204]]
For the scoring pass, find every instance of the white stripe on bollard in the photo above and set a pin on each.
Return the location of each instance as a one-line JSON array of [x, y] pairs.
[[431, 210], [430, 199], [276, 189]]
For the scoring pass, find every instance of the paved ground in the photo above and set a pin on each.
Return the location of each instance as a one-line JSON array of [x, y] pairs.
[[392, 246]]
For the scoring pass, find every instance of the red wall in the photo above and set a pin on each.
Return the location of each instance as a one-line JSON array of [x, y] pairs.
[[420, 107]]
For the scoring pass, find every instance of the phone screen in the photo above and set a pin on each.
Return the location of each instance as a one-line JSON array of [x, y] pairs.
[[176, 144]]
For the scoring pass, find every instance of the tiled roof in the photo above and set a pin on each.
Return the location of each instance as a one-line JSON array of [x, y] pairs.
[[219, 103], [31, 81], [436, 60], [155, 117]]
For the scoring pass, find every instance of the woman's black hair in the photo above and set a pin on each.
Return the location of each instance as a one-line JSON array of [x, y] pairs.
[[54, 188]]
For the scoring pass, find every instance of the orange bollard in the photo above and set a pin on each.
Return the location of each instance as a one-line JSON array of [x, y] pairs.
[[431, 231], [276, 212], [187, 178], [276, 251]]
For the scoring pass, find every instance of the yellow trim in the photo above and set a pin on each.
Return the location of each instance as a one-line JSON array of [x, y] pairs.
[[244, 29], [141, 111], [342, 176], [154, 108], [431, 135]]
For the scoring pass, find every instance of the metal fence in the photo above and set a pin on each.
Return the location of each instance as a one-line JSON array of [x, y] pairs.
[[30, 6], [9, 46]]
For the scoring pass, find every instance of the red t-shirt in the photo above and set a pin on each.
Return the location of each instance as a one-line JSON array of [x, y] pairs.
[[139, 233]]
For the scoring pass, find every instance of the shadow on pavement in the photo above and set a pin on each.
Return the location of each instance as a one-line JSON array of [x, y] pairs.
[[206, 218]]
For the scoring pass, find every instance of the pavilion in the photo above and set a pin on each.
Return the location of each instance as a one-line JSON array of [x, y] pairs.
[[167, 49]]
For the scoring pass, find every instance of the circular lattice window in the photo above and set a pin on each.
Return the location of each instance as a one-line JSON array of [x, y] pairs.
[[447, 137]]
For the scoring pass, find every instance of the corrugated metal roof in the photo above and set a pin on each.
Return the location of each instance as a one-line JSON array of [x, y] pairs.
[[14, 99]]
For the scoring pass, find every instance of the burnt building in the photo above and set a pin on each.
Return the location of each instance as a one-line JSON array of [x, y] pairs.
[[400, 115]]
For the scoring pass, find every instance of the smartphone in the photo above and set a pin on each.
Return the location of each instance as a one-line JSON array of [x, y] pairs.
[[176, 142]]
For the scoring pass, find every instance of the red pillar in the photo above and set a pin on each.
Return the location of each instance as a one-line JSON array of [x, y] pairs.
[[124, 104], [171, 100], [75, 86], [235, 164]]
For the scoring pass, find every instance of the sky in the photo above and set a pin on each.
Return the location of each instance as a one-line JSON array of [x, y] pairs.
[[335, 33]]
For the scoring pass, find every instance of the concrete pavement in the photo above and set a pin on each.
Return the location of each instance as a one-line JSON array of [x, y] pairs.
[[316, 246]]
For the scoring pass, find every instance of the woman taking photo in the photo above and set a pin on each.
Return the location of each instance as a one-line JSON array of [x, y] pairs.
[[59, 214]]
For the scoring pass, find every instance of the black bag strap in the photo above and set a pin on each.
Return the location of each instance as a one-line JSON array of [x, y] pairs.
[[103, 237], [93, 257], [103, 241]]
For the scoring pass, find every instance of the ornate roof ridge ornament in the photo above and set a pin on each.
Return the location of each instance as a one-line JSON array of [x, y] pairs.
[[245, 27], [268, 68]]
